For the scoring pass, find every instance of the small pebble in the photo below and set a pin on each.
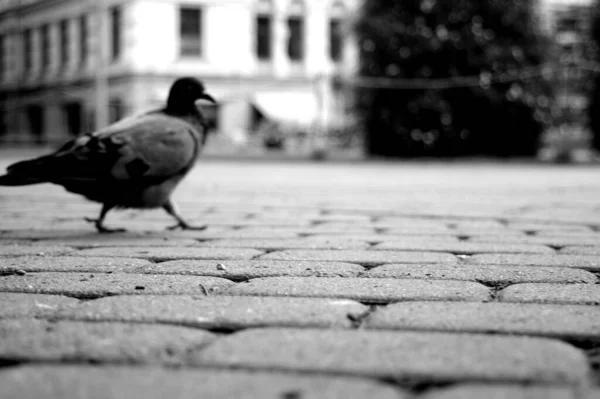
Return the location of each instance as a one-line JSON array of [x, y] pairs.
[[221, 266]]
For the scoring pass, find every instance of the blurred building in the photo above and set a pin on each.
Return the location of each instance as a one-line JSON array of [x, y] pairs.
[[62, 61]]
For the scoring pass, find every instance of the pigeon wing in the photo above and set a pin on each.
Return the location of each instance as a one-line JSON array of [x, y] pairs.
[[152, 147]]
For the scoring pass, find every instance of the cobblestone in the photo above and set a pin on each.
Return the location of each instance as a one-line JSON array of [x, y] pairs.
[[425, 356], [90, 285], [171, 253], [35, 250], [363, 289], [290, 243], [70, 264], [40, 340], [488, 274], [585, 294], [221, 313], [464, 247], [363, 257], [565, 321], [51, 382], [550, 240], [582, 250], [591, 263], [249, 269], [329, 280], [13, 305], [479, 391]]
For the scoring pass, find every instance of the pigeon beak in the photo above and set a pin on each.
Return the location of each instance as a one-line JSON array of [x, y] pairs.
[[208, 97]]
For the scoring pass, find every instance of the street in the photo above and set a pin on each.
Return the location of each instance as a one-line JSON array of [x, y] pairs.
[[312, 280]]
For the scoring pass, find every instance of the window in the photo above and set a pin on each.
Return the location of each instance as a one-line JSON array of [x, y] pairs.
[[34, 115], [46, 46], [296, 31], [336, 38], [73, 116], [264, 30], [190, 31], [116, 32], [28, 50], [3, 57], [83, 39], [263, 39], [116, 109], [64, 42], [296, 38], [3, 124]]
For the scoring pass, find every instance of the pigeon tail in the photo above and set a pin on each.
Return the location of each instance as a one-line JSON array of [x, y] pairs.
[[15, 180], [26, 172]]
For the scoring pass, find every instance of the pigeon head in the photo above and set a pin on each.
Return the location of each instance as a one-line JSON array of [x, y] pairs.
[[184, 93]]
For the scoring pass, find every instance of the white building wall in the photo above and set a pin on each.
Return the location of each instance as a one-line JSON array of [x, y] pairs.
[[150, 58]]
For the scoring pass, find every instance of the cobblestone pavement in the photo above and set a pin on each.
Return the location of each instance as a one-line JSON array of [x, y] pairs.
[[412, 280]]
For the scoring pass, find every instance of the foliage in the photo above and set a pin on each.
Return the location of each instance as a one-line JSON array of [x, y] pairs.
[[500, 111], [594, 93]]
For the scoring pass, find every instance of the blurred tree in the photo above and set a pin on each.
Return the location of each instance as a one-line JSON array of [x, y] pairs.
[[491, 40], [594, 93]]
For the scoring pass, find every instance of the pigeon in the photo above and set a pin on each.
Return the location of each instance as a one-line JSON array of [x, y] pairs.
[[136, 162]]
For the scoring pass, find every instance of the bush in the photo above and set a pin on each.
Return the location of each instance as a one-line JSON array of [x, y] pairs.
[[495, 114], [594, 93]]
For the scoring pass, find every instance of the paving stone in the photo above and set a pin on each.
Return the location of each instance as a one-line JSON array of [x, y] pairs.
[[249, 232], [417, 230], [584, 294], [379, 238], [253, 222], [33, 250], [32, 305], [91, 238], [400, 222], [581, 250], [117, 382], [92, 285], [591, 263], [335, 228], [463, 247], [248, 269], [482, 224], [465, 231], [289, 243], [110, 241], [398, 355], [41, 340], [489, 274], [558, 321], [363, 257], [222, 312], [548, 227], [69, 264], [171, 253], [339, 218], [554, 241], [363, 289], [492, 391]]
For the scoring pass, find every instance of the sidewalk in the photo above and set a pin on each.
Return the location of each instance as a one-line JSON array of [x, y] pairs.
[[313, 280]]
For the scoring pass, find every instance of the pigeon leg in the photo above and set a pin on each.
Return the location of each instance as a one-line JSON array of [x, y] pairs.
[[172, 210], [99, 223]]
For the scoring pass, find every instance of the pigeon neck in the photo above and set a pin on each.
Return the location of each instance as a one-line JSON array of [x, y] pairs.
[[179, 109]]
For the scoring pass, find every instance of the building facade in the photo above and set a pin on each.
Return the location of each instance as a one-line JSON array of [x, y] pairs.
[[68, 66]]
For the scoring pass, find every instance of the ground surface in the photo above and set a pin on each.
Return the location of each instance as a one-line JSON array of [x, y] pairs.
[[376, 280]]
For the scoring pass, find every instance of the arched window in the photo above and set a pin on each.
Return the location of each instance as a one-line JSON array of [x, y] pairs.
[[296, 30], [336, 36], [264, 29]]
